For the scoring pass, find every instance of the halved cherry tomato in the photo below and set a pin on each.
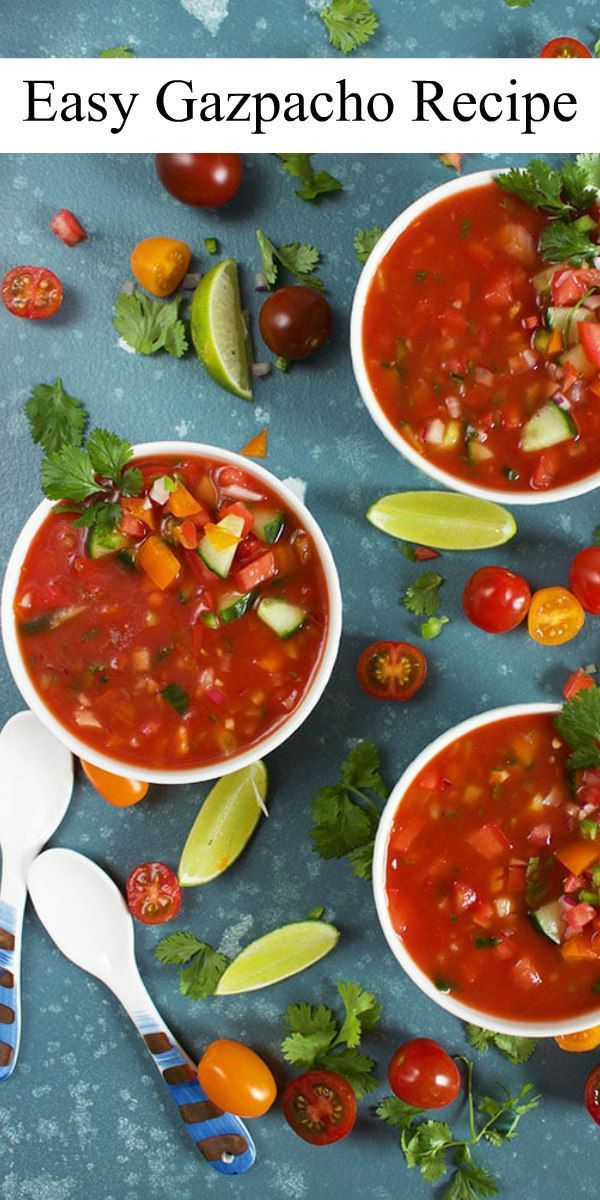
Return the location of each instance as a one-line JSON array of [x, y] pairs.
[[565, 47], [555, 616], [592, 1094], [422, 1073], [392, 670], [577, 1043], [203, 180], [320, 1106], [153, 893], [160, 264], [589, 336], [236, 1079], [577, 682], [66, 226], [113, 788], [32, 292], [496, 600], [584, 578]]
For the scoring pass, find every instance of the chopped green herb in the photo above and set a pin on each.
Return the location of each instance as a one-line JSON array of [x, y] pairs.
[[443, 985], [589, 829], [282, 364], [314, 183], [150, 325], [423, 596], [432, 627], [517, 1049], [537, 879], [465, 226], [365, 241], [55, 418], [421, 275], [349, 23], [316, 1038], [345, 817], [300, 260], [511, 474], [484, 943], [206, 965], [211, 620], [176, 697]]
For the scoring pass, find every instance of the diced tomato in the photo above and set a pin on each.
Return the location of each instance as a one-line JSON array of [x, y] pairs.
[[403, 838], [525, 973], [505, 949], [453, 320], [452, 160], [188, 534], [132, 527], [480, 252], [515, 881], [489, 840], [425, 553], [201, 572], [465, 897], [251, 548], [546, 469], [66, 226], [484, 914], [540, 835], [589, 336], [569, 286], [578, 916], [238, 510], [573, 883], [499, 291], [578, 681], [256, 572], [569, 376]]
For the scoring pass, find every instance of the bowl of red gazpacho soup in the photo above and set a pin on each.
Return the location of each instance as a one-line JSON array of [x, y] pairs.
[[487, 875], [188, 641], [477, 358]]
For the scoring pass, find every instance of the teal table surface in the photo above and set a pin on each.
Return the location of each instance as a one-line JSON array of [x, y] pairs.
[[267, 28], [84, 1115]]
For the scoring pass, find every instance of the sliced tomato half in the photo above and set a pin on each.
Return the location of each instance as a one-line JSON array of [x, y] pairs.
[[153, 893], [565, 47], [31, 292], [320, 1106], [392, 670]]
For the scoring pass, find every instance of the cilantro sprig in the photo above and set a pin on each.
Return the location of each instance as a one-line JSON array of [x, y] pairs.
[[55, 418], [349, 23], [317, 1038], [578, 723], [433, 1149], [566, 194], [313, 183], [517, 1049], [150, 325], [205, 966], [300, 260], [365, 241], [423, 596], [345, 817]]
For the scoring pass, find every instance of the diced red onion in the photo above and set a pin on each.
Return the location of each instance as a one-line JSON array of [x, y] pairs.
[[191, 281], [482, 375], [591, 302], [215, 694], [236, 490], [259, 369], [578, 391], [260, 283], [591, 669], [562, 401], [433, 432]]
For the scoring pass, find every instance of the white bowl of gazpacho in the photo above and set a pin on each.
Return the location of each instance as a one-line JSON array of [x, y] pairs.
[[486, 887], [478, 359], [189, 640]]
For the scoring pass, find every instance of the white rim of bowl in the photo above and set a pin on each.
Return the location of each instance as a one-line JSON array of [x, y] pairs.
[[444, 1000], [461, 184], [213, 770]]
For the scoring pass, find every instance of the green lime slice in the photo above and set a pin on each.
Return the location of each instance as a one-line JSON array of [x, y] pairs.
[[218, 331], [277, 955], [224, 825], [443, 520]]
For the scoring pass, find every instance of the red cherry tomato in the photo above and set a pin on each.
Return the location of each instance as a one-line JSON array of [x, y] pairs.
[[320, 1106], [66, 226], [202, 180], [153, 893], [32, 292], [294, 321], [592, 1094], [584, 578], [565, 47], [578, 681], [392, 670], [236, 1079], [496, 600], [422, 1073]]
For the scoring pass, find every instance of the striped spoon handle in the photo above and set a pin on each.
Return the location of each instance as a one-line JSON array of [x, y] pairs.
[[13, 894]]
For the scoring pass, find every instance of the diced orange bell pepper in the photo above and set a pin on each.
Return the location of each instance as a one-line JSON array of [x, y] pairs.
[[181, 503], [158, 561], [257, 446], [580, 947], [578, 855], [136, 507], [285, 558], [555, 344]]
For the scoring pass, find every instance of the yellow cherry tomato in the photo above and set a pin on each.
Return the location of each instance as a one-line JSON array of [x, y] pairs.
[[160, 264], [236, 1079], [113, 788], [555, 616], [588, 1039]]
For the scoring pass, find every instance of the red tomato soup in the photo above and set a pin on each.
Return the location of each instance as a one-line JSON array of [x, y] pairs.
[[493, 887], [186, 634], [476, 348]]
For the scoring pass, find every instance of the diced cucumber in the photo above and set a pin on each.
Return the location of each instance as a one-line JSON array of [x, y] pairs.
[[220, 561], [106, 541], [235, 605], [268, 524], [478, 452], [566, 320], [547, 427], [211, 620], [549, 920], [580, 362], [282, 617]]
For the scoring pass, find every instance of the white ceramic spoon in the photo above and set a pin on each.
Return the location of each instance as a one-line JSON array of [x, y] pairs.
[[86, 915], [36, 781]]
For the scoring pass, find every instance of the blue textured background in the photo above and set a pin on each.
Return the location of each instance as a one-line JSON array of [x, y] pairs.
[[267, 28], [84, 1113]]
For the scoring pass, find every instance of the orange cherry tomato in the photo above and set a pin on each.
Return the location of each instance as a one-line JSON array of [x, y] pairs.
[[236, 1079], [113, 788], [160, 264], [555, 616], [565, 47], [576, 1043]]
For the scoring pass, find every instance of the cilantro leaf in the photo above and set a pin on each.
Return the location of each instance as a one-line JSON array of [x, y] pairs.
[[590, 165], [100, 516], [55, 418], [518, 3], [300, 260], [433, 627], [178, 947], [349, 23], [311, 1032], [578, 723], [109, 453], [314, 183], [315, 1037], [361, 769], [68, 474], [361, 860], [131, 481], [576, 184], [150, 325], [397, 1112], [365, 240], [567, 241], [117, 52], [355, 1066], [424, 1146], [504, 1115], [362, 1012], [540, 186], [422, 597], [517, 1049], [201, 977], [470, 1181], [268, 255], [339, 824]]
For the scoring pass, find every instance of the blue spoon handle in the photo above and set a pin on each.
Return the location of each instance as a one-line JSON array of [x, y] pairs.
[[12, 904]]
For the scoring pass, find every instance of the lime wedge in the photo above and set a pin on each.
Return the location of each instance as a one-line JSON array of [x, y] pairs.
[[443, 520], [224, 825], [218, 331], [278, 954]]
